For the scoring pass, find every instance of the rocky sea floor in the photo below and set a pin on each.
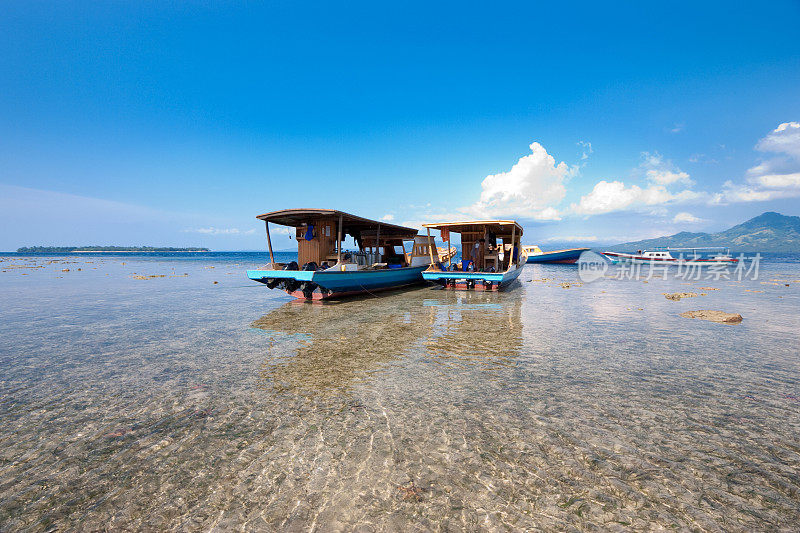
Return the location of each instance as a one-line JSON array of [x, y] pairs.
[[170, 394]]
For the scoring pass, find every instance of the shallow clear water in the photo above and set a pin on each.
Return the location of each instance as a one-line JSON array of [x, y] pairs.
[[174, 402]]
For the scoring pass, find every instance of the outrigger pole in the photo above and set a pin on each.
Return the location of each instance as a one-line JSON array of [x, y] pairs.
[[269, 243]]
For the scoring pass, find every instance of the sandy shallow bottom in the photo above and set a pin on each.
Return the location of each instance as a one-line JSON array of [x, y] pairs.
[[137, 402]]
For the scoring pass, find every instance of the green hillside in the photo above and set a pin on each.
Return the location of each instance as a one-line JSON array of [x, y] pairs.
[[769, 232]]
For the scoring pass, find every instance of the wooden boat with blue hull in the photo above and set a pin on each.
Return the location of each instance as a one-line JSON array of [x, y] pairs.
[[324, 270], [492, 255], [322, 284], [563, 257]]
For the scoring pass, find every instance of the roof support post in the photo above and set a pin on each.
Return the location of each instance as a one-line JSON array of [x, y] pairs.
[[378, 245], [511, 251], [449, 255], [339, 243], [430, 246], [269, 243]]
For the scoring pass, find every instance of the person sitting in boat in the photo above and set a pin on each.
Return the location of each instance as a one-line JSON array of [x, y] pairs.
[[477, 253], [473, 254]]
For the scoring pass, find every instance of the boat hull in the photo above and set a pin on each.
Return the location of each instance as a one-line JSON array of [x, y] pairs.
[[327, 284], [479, 281], [564, 257], [617, 257]]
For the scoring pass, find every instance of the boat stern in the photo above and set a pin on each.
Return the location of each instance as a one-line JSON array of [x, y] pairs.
[[485, 281], [264, 276], [291, 281]]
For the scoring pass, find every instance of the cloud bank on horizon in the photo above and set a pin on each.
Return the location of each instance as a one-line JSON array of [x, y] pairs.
[[535, 189]]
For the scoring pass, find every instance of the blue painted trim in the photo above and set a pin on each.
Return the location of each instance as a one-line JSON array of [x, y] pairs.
[[363, 280], [494, 277], [299, 275], [502, 278], [347, 281]]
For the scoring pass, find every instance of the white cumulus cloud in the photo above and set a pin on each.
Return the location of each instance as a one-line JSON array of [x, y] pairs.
[[614, 195], [388, 217], [573, 238], [532, 188], [777, 176], [281, 230], [737, 192], [685, 217], [778, 181], [785, 139], [211, 230], [608, 196], [667, 177]]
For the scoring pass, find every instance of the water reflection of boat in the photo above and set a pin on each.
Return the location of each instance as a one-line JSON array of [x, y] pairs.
[[568, 257], [475, 328], [323, 270], [323, 348], [333, 348], [487, 265]]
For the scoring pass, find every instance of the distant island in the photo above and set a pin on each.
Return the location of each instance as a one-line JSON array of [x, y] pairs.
[[70, 249], [768, 232]]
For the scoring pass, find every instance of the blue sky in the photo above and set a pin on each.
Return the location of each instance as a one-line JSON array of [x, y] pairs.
[[175, 124]]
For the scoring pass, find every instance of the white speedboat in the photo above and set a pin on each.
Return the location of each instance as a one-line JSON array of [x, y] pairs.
[[708, 256]]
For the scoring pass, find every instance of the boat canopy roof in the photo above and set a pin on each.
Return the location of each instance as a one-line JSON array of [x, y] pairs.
[[495, 226], [351, 224]]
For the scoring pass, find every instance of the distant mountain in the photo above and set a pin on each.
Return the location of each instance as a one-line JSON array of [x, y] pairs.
[[770, 232]]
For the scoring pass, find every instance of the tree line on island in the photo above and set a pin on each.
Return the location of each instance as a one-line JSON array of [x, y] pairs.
[[768, 232], [68, 249]]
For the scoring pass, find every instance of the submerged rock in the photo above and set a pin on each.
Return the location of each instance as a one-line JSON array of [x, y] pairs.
[[678, 295], [720, 317]]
